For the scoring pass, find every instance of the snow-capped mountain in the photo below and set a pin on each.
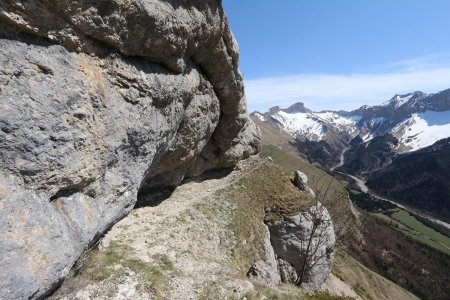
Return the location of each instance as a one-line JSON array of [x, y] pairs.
[[398, 100], [405, 123], [422, 130], [314, 126]]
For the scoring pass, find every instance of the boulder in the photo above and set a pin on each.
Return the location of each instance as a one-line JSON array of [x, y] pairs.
[[102, 101], [263, 272], [304, 246], [301, 181]]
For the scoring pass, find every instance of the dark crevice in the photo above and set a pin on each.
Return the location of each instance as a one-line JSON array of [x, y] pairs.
[[210, 175], [72, 189], [65, 193], [153, 196]]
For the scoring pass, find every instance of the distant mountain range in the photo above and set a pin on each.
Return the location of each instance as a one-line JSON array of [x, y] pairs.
[[368, 140]]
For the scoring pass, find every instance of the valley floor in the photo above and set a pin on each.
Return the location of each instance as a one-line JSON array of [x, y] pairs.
[[422, 214]]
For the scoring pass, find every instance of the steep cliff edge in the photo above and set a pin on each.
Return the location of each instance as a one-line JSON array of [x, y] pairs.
[[101, 101]]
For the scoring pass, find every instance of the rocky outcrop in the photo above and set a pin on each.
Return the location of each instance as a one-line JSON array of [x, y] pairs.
[[301, 181], [299, 246], [267, 270], [100, 101], [304, 245]]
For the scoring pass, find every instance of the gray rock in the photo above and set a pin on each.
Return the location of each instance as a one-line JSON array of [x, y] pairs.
[[263, 272], [266, 271], [287, 271], [100, 101], [301, 181], [304, 245]]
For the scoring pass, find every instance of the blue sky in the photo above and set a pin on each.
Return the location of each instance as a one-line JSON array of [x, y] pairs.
[[342, 54]]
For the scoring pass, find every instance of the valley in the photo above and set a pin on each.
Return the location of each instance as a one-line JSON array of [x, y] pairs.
[[376, 241], [361, 184], [407, 135], [367, 153]]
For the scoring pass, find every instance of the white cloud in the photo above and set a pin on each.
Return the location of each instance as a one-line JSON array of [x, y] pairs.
[[420, 63], [344, 91]]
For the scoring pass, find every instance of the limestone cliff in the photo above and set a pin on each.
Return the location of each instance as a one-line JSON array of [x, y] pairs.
[[100, 101]]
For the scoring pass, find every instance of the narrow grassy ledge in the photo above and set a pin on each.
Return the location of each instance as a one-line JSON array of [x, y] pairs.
[[264, 186]]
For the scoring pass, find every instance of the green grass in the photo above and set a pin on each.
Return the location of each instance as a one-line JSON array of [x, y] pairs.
[[290, 161], [210, 291], [421, 232], [366, 283]]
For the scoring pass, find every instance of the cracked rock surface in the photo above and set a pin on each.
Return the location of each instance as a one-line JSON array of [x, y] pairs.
[[100, 100]]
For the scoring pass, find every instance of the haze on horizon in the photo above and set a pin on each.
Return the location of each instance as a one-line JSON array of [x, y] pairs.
[[340, 55]]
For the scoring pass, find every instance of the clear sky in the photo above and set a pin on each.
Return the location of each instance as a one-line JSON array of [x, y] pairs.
[[340, 54]]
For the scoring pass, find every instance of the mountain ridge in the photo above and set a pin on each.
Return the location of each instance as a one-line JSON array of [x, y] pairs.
[[416, 119], [374, 139]]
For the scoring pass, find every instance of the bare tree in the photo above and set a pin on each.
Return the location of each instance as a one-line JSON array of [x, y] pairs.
[[317, 236], [338, 205]]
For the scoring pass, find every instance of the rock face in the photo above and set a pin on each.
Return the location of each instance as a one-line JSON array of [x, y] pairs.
[[100, 101], [299, 247], [267, 270], [304, 245]]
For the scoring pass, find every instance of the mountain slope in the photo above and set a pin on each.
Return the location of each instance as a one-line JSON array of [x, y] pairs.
[[392, 145], [419, 179], [422, 130], [321, 137]]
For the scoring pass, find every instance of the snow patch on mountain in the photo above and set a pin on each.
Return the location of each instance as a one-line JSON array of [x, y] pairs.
[[259, 116], [423, 129], [306, 124], [416, 119], [399, 100], [314, 125], [367, 137], [374, 122], [343, 124]]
